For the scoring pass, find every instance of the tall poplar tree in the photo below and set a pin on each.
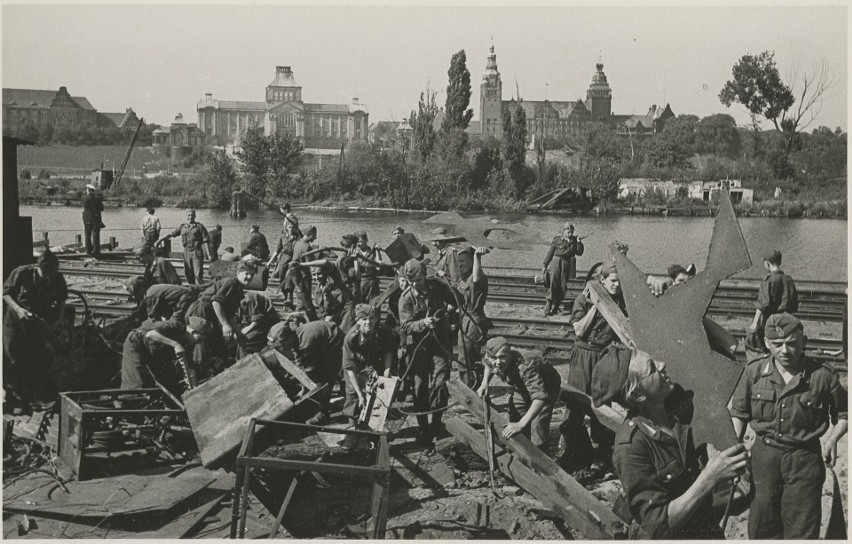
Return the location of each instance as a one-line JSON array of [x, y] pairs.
[[457, 113]]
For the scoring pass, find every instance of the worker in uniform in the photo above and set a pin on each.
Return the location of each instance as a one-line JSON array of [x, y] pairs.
[[473, 286], [427, 314], [284, 249], [592, 336], [315, 346], [535, 384], [655, 458], [149, 352], [257, 244], [297, 279], [158, 270], [150, 227], [166, 301], [369, 347], [93, 206], [790, 401], [397, 232], [230, 256], [446, 254], [347, 268], [559, 267], [33, 308], [215, 242], [255, 316], [328, 300], [219, 303], [777, 294], [367, 268], [193, 236]]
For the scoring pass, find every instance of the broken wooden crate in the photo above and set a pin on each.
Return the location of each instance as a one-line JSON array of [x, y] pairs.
[[377, 472], [89, 423], [220, 408], [535, 472]]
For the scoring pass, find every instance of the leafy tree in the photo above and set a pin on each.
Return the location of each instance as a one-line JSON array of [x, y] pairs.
[[665, 150], [718, 134], [514, 147], [600, 141], [682, 129], [822, 154], [422, 122], [285, 159], [758, 86], [457, 114], [255, 156], [222, 179], [486, 160]]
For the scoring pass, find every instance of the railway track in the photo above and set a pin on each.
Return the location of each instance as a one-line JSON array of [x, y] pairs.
[[817, 303], [552, 335]]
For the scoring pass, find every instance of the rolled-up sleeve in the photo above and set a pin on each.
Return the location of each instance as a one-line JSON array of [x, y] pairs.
[[350, 359], [839, 400], [763, 297], [646, 496], [534, 382], [741, 401], [410, 323]]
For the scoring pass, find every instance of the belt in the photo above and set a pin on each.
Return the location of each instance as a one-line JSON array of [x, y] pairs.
[[588, 346], [811, 445]]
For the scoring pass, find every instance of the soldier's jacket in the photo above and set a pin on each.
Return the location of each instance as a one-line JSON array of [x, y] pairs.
[[415, 306], [474, 323], [599, 334], [532, 377], [777, 294], [160, 270], [359, 352], [193, 236], [656, 468], [791, 415], [256, 308], [563, 249], [328, 300], [228, 292]]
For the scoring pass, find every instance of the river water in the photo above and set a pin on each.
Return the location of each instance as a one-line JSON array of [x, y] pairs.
[[813, 249]]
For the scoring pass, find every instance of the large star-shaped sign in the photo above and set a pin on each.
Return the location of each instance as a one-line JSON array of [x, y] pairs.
[[670, 327]]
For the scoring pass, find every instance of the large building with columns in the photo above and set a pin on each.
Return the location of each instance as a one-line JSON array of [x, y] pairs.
[[319, 126]]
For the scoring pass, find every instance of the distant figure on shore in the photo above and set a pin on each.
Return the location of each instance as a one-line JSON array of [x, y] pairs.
[[257, 244], [215, 242], [151, 227], [93, 205]]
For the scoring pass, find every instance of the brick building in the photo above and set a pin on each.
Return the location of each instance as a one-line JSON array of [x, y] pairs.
[[318, 126], [22, 107], [560, 119]]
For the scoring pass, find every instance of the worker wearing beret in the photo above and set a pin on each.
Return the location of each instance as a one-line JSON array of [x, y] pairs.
[[150, 351], [194, 237], [666, 491], [535, 389], [790, 401], [559, 265], [368, 347], [473, 287], [426, 313], [257, 244], [777, 294], [592, 336]]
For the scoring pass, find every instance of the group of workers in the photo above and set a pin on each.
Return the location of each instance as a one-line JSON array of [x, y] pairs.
[[436, 319]]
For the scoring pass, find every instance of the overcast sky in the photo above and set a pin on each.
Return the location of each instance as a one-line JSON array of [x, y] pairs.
[[160, 60]]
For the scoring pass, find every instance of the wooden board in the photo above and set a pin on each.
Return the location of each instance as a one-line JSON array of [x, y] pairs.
[[581, 509], [385, 389], [219, 409], [294, 370], [611, 312]]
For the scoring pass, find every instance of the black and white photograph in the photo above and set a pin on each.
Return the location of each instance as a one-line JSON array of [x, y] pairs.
[[437, 271]]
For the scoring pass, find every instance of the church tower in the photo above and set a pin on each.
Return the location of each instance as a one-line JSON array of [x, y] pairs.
[[284, 87], [599, 96], [491, 99]]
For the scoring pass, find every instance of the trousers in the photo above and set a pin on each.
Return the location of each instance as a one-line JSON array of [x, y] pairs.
[[193, 265], [93, 238], [539, 429], [787, 492]]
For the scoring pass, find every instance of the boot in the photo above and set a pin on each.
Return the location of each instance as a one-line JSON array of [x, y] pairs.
[[547, 309]]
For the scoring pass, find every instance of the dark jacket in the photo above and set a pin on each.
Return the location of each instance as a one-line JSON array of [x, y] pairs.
[[93, 205]]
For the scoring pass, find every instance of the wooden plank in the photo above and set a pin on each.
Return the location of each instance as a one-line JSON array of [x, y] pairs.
[[611, 312], [582, 509], [294, 370], [610, 418], [542, 198], [219, 409], [553, 200], [385, 389]]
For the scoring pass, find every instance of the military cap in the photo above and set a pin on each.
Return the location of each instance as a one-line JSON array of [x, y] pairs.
[[414, 269], [348, 239], [608, 269], [361, 234], [773, 257], [568, 226], [494, 345], [255, 227], [132, 284], [363, 311], [593, 271], [781, 326], [199, 325], [310, 230]]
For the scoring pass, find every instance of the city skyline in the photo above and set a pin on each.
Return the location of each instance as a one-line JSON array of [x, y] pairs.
[[160, 60]]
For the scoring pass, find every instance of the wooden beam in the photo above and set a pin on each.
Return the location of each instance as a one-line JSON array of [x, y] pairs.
[[294, 370], [581, 509], [608, 417], [611, 312], [553, 200], [540, 487]]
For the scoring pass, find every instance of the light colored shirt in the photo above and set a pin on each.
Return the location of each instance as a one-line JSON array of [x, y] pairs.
[[150, 223]]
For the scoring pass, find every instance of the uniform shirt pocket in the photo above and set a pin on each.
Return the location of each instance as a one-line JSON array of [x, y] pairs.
[[670, 471], [763, 403], [809, 411]]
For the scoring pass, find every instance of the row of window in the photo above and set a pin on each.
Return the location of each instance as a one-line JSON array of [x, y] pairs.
[[282, 95]]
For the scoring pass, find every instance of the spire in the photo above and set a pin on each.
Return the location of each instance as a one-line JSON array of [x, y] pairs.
[[491, 71], [599, 82]]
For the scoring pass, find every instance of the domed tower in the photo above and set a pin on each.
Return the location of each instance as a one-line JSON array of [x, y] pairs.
[[284, 87], [491, 99], [599, 96]]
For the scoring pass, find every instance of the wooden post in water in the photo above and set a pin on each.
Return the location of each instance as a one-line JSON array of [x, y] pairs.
[[237, 210], [78, 238], [112, 243]]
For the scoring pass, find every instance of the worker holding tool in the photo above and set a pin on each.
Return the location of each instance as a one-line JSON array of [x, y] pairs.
[[33, 307], [535, 384], [316, 347], [473, 286], [149, 350], [297, 280], [368, 347], [366, 270], [667, 492], [427, 314], [560, 266], [790, 401]]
